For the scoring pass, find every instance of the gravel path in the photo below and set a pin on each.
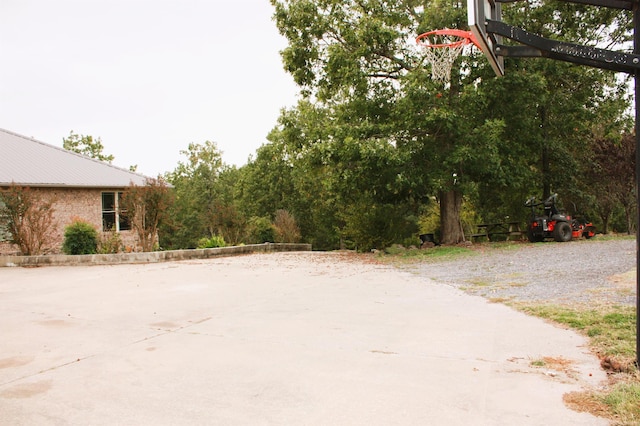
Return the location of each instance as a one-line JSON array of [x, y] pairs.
[[583, 272]]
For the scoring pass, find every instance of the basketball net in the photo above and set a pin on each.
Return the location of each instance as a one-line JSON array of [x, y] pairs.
[[442, 48]]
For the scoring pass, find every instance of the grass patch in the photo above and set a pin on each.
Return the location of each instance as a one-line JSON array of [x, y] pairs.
[[612, 336], [403, 255], [609, 237], [399, 254], [479, 283], [611, 329], [624, 401], [538, 363]]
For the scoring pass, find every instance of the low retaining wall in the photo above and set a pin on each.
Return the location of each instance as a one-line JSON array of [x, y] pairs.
[[147, 257]]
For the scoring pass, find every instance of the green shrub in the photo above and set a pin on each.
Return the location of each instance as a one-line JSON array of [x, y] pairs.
[[370, 225], [80, 238], [111, 242], [211, 242], [262, 230]]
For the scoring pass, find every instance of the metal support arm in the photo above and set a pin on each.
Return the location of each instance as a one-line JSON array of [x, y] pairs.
[[615, 4], [560, 50]]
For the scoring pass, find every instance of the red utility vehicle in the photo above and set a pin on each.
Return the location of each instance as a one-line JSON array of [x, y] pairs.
[[553, 224]]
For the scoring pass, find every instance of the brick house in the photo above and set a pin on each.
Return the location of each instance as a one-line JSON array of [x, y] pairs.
[[82, 187]]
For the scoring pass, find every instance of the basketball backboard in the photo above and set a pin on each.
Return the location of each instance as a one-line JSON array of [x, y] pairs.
[[478, 12]]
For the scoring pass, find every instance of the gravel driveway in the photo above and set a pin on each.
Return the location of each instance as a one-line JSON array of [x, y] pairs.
[[585, 272]]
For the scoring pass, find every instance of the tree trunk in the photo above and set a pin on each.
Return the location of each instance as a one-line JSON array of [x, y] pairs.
[[604, 217], [629, 211], [451, 231], [546, 165]]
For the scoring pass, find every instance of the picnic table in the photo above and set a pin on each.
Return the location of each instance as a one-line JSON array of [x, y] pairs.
[[490, 230]]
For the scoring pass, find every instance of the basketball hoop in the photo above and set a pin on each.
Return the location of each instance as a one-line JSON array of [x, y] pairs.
[[442, 47]]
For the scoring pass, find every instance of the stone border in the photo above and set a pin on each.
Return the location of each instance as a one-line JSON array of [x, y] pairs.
[[147, 257]]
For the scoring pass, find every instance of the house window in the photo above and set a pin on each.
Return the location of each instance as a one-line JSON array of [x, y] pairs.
[[113, 217]]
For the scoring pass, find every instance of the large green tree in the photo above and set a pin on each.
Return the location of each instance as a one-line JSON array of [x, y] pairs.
[[193, 214], [359, 59], [284, 175], [266, 183], [493, 140], [338, 174], [350, 173], [553, 110]]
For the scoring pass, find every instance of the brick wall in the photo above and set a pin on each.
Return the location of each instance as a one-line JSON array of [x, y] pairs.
[[71, 204]]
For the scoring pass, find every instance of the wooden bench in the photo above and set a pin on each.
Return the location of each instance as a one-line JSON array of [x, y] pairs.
[[489, 230]]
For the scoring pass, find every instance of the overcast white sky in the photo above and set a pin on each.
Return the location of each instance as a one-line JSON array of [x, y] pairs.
[[146, 76]]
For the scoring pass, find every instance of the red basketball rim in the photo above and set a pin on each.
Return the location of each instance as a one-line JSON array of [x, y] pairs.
[[464, 37]]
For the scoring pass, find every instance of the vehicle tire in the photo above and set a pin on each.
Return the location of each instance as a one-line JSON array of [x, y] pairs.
[[533, 237], [562, 232], [534, 233]]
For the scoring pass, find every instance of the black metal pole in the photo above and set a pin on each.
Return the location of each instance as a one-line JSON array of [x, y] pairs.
[[636, 50]]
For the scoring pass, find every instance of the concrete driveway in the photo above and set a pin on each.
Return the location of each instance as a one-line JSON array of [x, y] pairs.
[[275, 339]]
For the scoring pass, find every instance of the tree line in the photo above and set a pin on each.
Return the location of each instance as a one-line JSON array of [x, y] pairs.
[[376, 152]]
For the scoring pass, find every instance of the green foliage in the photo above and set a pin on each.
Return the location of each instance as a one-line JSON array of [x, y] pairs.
[[538, 363], [86, 145], [611, 175], [390, 133], [396, 254], [353, 49], [211, 242], [612, 330], [376, 141], [262, 230], [552, 111], [376, 226], [80, 237], [196, 193], [623, 400], [269, 181], [429, 221], [227, 218], [110, 242], [612, 333]]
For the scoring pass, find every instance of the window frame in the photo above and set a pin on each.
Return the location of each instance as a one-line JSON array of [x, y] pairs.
[[117, 219]]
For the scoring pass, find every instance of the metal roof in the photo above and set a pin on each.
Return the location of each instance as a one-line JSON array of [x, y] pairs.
[[28, 162]]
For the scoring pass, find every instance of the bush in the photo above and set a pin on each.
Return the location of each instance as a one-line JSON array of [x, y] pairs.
[[28, 218], [371, 225], [285, 227], [262, 230], [211, 242], [80, 238], [110, 243]]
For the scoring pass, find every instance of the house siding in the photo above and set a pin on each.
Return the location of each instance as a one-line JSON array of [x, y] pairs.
[[71, 204]]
